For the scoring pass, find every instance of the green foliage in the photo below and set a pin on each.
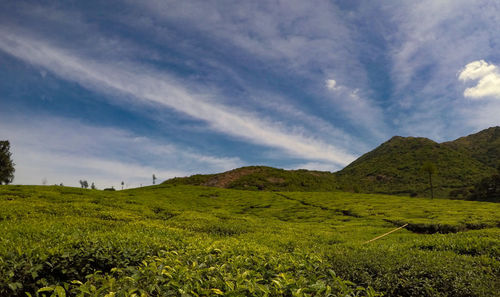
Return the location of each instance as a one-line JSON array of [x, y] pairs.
[[174, 240], [6, 165], [483, 146], [488, 189], [429, 168], [264, 178]]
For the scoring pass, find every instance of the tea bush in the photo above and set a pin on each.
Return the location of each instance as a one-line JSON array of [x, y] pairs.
[[194, 241]]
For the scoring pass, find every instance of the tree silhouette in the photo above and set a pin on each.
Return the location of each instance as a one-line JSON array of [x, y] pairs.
[[84, 184], [6, 164], [122, 184], [430, 169], [154, 179]]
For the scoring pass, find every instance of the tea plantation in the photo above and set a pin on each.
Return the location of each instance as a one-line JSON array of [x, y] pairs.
[[180, 240]]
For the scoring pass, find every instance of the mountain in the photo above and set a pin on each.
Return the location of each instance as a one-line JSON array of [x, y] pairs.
[[391, 168], [394, 168]]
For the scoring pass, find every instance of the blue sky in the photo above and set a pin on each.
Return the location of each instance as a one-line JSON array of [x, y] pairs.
[[112, 91]]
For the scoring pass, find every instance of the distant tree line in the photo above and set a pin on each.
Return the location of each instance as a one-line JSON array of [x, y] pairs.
[[488, 189]]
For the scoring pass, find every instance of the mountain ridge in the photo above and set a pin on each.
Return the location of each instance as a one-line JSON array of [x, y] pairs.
[[391, 168]]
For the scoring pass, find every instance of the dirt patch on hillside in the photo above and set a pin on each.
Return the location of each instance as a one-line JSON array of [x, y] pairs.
[[222, 180], [275, 180]]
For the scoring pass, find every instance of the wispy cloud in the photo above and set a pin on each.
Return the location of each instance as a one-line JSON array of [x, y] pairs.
[[304, 40], [63, 150], [430, 42], [151, 86], [357, 108]]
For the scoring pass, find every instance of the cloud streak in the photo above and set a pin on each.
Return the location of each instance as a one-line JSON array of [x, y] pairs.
[[64, 150], [153, 87], [308, 40]]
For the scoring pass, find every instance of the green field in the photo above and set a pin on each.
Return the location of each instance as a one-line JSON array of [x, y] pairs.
[[179, 240]]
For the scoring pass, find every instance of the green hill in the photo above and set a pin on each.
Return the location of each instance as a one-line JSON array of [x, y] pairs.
[[392, 168], [175, 240], [483, 146], [264, 178]]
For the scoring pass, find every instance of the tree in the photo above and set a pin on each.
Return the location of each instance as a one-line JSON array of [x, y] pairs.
[[122, 184], [488, 189], [154, 179], [6, 164], [93, 186], [84, 184], [430, 169]]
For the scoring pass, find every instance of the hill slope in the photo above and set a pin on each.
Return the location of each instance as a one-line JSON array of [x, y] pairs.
[[264, 178], [392, 168], [483, 146]]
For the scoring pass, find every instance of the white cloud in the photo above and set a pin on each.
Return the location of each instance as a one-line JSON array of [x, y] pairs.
[[63, 150], [148, 86], [427, 42], [488, 78], [331, 84]]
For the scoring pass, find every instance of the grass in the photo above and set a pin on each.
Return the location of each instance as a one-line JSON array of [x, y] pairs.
[[176, 240]]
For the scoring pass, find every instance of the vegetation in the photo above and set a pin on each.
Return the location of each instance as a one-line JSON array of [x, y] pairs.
[[483, 146], [430, 169], [6, 165], [488, 189], [175, 240], [263, 178], [392, 168], [84, 184]]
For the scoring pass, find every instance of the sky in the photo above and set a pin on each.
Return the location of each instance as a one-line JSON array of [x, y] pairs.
[[112, 91]]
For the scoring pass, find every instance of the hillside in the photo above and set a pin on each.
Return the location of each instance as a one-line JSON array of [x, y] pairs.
[[264, 178], [394, 168], [483, 146], [391, 168], [174, 240]]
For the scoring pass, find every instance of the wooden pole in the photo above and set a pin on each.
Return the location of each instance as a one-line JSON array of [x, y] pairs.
[[378, 237]]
